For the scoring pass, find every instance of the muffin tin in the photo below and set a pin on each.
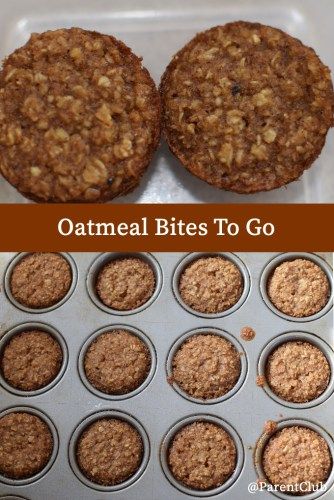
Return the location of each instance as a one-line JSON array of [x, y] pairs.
[[157, 409]]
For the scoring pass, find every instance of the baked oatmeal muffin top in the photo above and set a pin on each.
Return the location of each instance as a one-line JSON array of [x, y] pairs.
[[25, 445], [40, 280], [109, 451], [298, 288], [211, 285], [80, 117], [125, 283], [246, 107], [298, 371], [117, 362], [296, 455], [31, 360], [206, 366], [202, 456]]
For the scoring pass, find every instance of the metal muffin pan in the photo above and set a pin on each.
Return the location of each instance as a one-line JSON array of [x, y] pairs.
[[157, 407]]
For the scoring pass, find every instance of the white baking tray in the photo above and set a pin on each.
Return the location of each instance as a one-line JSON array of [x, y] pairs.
[[156, 29]]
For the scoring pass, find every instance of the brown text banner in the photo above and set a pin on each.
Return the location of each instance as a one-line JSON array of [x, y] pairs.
[[166, 227]]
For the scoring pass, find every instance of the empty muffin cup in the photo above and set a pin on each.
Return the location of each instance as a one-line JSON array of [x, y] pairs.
[[298, 369], [124, 283], [206, 365], [125, 447], [298, 286], [29, 444], [33, 358], [40, 282], [186, 443], [117, 362], [211, 285], [296, 457]]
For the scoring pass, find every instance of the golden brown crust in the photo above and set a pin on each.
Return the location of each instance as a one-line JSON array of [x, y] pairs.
[[40, 280], [298, 288], [25, 445], [117, 362], [80, 117], [246, 107], [202, 456], [109, 451], [211, 285], [206, 366], [125, 283], [298, 371], [31, 360], [296, 455]]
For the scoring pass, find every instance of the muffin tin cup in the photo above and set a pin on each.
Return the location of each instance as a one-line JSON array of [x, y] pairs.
[[104, 259], [90, 420], [41, 310], [143, 385], [24, 327], [168, 440], [263, 440], [206, 331], [305, 337], [52, 428], [279, 259], [192, 257]]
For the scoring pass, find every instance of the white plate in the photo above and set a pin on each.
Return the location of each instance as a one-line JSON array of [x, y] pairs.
[[156, 29]]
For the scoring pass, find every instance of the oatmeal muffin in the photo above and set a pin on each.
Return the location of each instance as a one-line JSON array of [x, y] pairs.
[[211, 285], [31, 360], [109, 451], [202, 456], [298, 288], [25, 445], [246, 107], [125, 283], [298, 371], [297, 455], [117, 362], [80, 117], [206, 366], [40, 280]]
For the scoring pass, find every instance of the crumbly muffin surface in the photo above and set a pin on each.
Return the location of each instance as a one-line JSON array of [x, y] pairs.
[[202, 456], [31, 360], [298, 371], [298, 288], [211, 285], [80, 117], [117, 362], [25, 445], [40, 280], [296, 455], [246, 107], [109, 451], [206, 366], [125, 284]]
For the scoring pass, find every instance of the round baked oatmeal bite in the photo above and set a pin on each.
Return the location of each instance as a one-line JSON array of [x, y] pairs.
[[202, 456], [80, 117], [125, 283], [246, 107], [206, 366], [109, 451], [298, 371], [299, 288], [211, 285], [40, 280], [297, 457], [26, 445]]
